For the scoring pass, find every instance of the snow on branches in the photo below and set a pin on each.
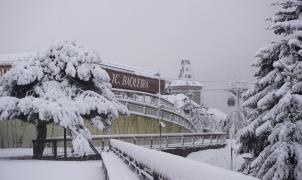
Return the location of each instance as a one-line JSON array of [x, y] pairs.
[[63, 85], [273, 134]]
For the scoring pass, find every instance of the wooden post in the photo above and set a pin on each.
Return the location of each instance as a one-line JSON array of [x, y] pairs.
[[167, 141], [103, 144], [65, 145], [151, 142], [54, 146], [193, 139]]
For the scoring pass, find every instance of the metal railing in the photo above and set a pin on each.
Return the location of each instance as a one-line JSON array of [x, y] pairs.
[[55, 146], [146, 104]]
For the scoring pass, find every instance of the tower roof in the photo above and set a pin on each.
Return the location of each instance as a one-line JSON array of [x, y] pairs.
[[185, 77]]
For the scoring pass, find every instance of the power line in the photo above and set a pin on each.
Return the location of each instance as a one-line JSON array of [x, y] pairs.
[[211, 81]]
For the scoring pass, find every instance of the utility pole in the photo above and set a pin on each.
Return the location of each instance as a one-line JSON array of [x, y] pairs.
[[237, 89]]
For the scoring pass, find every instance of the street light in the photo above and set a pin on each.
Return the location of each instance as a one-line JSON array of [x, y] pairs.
[[161, 124]]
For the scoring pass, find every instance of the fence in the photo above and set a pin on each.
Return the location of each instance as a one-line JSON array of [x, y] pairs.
[[146, 104], [59, 148]]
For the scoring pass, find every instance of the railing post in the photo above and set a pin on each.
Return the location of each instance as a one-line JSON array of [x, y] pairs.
[[167, 141], [211, 139], [151, 142], [54, 146], [183, 141], [193, 139], [217, 139], [202, 139], [65, 145], [103, 144], [134, 140], [34, 149]]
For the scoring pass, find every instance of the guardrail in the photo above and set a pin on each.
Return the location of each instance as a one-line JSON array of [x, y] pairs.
[[150, 164], [56, 148], [146, 104]]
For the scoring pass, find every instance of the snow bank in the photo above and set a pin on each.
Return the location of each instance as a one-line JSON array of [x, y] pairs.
[[50, 170], [175, 167]]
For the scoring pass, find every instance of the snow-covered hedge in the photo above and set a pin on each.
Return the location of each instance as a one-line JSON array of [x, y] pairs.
[[175, 167]]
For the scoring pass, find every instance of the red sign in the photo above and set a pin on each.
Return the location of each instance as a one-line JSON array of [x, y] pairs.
[[135, 82], [4, 69]]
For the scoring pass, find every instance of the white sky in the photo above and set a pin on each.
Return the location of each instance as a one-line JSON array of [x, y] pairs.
[[219, 37]]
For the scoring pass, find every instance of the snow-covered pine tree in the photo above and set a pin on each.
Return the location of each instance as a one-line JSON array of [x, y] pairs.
[[274, 135], [62, 85]]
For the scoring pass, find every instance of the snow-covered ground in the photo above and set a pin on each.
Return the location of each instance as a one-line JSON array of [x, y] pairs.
[[90, 170], [15, 152], [50, 170], [45, 170], [218, 157]]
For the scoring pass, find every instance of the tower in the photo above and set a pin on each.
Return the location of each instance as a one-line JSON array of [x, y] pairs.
[[185, 70], [185, 83]]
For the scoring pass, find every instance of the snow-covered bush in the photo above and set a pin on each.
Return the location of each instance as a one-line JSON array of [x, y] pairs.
[[62, 85], [232, 123], [205, 119], [202, 117], [273, 135]]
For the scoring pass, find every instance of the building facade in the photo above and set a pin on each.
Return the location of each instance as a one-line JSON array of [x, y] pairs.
[[185, 84]]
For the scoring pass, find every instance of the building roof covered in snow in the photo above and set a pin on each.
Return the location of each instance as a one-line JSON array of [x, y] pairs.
[[179, 100], [217, 113], [180, 82], [128, 69], [8, 59]]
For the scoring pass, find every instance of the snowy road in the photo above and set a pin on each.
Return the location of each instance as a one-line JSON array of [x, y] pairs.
[[217, 157], [50, 170]]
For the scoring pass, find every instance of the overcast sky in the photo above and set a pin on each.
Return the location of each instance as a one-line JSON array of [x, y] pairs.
[[219, 37]]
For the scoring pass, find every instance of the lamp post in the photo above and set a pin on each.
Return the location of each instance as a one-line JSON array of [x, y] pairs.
[[190, 96], [159, 109]]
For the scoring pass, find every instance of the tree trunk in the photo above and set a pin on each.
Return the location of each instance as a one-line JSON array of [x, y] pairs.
[[41, 136]]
